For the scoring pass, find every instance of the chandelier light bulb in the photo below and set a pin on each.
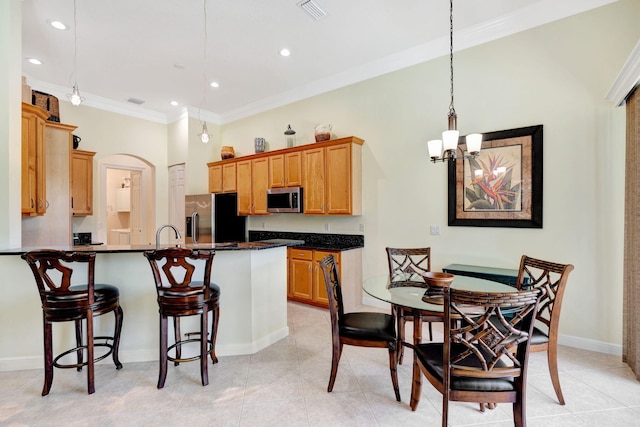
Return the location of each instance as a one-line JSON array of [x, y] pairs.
[[204, 136], [75, 97]]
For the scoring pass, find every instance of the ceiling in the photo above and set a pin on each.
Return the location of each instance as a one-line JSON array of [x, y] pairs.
[[154, 50]]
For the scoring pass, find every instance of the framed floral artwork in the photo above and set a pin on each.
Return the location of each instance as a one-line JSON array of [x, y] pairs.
[[502, 187]]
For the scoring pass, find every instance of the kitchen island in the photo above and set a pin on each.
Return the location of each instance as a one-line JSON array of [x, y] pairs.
[[253, 302]]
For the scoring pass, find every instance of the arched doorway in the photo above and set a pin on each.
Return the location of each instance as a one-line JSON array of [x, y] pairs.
[[126, 200]]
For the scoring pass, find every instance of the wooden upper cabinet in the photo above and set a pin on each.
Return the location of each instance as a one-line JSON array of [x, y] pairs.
[[330, 173], [285, 170], [253, 181], [276, 171], [313, 180], [244, 187], [215, 179], [82, 182], [259, 185], [34, 197], [333, 179], [293, 169], [222, 177]]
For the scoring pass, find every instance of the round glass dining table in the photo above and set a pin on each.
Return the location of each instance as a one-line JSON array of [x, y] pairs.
[[411, 292]]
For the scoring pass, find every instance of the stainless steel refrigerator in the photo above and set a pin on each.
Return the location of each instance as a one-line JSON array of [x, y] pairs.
[[214, 218]]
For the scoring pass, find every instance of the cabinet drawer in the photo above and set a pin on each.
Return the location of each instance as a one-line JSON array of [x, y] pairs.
[[301, 254]]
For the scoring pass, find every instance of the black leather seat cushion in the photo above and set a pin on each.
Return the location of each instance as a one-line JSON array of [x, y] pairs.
[[431, 356], [371, 326], [79, 292]]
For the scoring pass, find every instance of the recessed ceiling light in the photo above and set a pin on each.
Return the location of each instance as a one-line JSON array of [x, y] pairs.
[[214, 84], [174, 103], [57, 24], [34, 61], [284, 52]]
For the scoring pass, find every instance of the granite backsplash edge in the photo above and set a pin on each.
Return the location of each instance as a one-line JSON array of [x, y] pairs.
[[340, 242]]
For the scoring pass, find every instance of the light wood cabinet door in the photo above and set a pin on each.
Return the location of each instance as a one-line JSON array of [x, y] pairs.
[[319, 287], [301, 275], [222, 178], [82, 182], [259, 185], [314, 181], [229, 178], [34, 197], [293, 169], [338, 179], [276, 171], [215, 179], [243, 170]]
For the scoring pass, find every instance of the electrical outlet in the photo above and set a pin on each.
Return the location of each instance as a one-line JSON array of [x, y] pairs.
[[263, 225], [435, 230], [327, 227], [362, 228]]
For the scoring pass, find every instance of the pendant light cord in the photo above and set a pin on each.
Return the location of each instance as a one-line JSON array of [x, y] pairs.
[[75, 46], [452, 110]]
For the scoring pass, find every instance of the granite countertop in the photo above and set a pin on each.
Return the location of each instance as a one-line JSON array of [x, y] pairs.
[[319, 241], [230, 246]]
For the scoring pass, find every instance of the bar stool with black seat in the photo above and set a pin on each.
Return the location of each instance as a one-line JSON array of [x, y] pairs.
[[63, 301], [180, 296]]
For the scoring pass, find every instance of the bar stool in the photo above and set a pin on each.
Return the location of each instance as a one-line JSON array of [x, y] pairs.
[[64, 302], [179, 296]]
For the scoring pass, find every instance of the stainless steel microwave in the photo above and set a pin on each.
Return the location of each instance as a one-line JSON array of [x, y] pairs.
[[280, 200]]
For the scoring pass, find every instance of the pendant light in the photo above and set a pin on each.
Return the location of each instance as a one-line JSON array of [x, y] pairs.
[[445, 149], [74, 96], [204, 136]]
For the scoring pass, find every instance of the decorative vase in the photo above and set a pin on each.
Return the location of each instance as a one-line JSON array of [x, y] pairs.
[[323, 132], [226, 152], [258, 144]]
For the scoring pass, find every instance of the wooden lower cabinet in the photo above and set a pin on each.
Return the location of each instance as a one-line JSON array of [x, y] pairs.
[[306, 281]]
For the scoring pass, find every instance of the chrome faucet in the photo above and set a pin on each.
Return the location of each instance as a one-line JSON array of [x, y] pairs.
[[162, 227]]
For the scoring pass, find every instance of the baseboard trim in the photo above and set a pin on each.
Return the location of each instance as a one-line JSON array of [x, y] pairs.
[[146, 355], [568, 340]]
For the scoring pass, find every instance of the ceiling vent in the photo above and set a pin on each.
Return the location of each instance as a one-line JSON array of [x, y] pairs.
[[313, 9], [135, 101]]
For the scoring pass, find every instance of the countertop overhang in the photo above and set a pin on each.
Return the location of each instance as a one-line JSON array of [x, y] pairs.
[[229, 246]]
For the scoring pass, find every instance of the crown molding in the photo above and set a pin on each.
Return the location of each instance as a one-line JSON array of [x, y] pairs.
[[628, 78], [98, 102]]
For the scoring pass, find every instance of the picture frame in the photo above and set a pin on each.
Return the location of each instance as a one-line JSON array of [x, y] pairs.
[[502, 187]]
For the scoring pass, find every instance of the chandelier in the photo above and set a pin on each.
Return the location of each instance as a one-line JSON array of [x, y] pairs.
[[446, 149]]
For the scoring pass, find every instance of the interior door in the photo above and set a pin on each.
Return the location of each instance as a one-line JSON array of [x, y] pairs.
[[138, 235]]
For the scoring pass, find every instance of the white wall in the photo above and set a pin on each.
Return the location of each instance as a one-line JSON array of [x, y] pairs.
[[10, 121], [556, 75]]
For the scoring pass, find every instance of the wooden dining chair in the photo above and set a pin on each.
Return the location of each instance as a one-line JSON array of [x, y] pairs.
[[364, 329], [478, 362], [409, 265], [552, 278]]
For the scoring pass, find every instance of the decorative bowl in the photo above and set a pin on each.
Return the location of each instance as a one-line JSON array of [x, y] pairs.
[[437, 279]]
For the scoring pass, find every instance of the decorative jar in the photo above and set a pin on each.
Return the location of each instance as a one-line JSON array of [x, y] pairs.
[[323, 132]]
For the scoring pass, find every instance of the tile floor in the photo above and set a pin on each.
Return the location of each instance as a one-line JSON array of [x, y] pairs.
[[285, 385]]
